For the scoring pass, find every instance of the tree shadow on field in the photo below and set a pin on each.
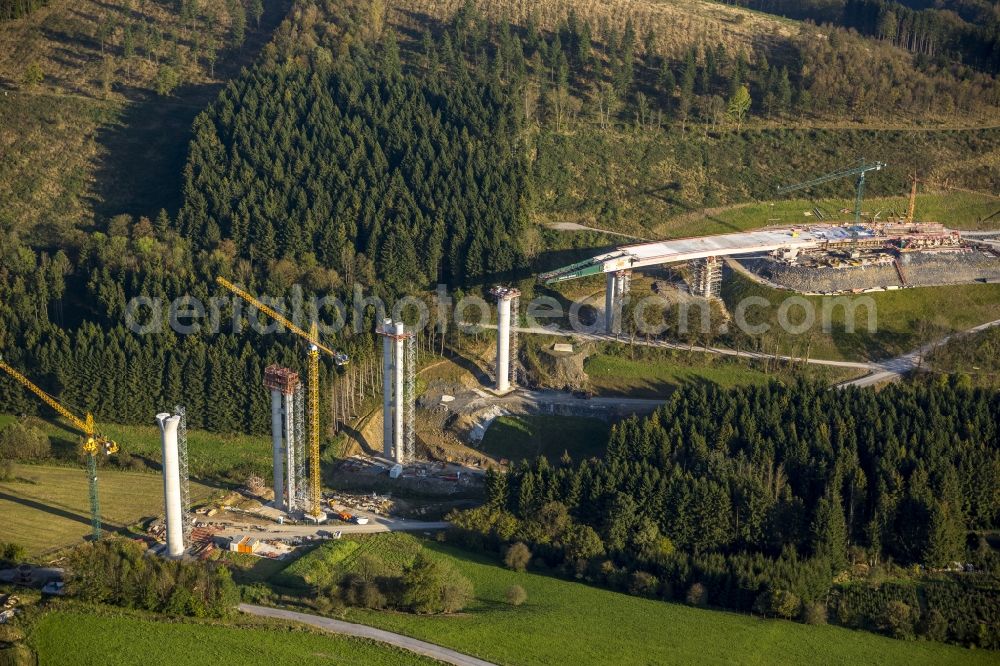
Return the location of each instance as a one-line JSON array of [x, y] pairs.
[[142, 156], [691, 212], [52, 510]]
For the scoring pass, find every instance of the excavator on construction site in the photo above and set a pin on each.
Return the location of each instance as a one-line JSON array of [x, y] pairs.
[[861, 170], [92, 444], [314, 349]]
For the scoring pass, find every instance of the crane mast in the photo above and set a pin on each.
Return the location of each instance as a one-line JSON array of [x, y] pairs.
[[861, 170], [314, 349], [92, 444]]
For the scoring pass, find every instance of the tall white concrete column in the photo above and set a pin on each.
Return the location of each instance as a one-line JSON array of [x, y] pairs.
[[610, 300], [397, 377], [621, 289], [276, 453], [172, 484], [387, 383], [292, 485], [503, 344]]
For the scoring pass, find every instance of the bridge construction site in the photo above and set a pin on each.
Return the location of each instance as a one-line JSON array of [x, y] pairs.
[[811, 246], [801, 252], [811, 258]]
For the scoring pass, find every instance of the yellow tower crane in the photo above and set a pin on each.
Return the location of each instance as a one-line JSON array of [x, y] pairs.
[[315, 347], [92, 444]]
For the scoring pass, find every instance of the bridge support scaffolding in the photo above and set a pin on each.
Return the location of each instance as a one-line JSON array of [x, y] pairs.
[[399, 361], [283, 384], [707, 279]]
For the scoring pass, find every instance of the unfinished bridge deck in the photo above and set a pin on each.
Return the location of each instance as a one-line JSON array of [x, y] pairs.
[[792, 239]]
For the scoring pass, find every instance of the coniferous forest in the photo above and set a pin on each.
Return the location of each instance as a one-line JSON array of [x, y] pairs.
[[422, 177], [308, 170], [353, 152], [759, 499]]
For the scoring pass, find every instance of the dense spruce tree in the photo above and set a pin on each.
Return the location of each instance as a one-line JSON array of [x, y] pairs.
[[829, 532]]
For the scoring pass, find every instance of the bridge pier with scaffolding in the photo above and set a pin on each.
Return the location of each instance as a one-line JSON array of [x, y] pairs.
[[706, 279], [287, 436], [399, 360], [187, 519]]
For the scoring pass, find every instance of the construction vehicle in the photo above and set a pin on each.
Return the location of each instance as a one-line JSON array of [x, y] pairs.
[[92, 443], [314, 349], [860, 171]]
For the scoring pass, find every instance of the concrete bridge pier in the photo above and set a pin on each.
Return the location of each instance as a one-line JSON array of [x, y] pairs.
[[507, 299], [617, 287]]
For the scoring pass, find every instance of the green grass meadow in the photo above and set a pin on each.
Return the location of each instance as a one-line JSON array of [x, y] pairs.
[[656, 373], [645, 378], [47, 507], [210, 455], [527, 437], [62, 638], [566, 622], [561, 622], [905, 319]]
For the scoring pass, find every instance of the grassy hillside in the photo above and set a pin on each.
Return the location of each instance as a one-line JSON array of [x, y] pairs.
[[653, 373], [97, 104], [85, 639], [676, 24], [616, 375], [566, 622], [48, 507], [210, 455], [906, 319], [977, 356], [656, 184]]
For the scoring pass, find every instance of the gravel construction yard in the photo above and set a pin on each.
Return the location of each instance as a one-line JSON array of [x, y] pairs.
[[922, 269]]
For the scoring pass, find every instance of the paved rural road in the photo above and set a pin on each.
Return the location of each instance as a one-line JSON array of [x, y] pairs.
[[895, 368], [663, 344], [362, 631], [882, 371]]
